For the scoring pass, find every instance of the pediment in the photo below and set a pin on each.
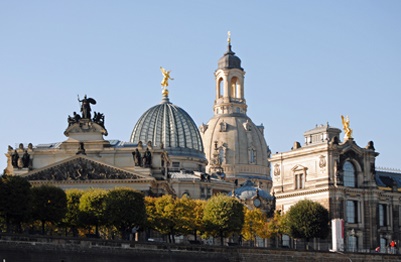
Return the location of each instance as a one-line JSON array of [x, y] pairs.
[[299, 168], [82, 168]]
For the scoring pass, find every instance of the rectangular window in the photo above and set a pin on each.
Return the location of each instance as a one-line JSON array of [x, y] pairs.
[[382, 215], [352, 211], [301, 180]]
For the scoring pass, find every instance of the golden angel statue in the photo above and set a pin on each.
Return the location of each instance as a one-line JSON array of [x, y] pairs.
[[347, 129], [166, 77]]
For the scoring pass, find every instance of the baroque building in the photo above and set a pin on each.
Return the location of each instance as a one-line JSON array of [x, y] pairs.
[[342, 177]]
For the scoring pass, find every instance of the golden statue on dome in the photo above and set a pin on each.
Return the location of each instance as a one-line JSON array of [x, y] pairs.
[[166, 77], [347, 129]]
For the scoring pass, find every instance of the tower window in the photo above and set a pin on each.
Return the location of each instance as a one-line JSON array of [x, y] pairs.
[[220, 90]]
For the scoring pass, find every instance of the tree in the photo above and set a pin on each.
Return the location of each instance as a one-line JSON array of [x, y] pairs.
[[191, 215], [73, 215], [223, 215], [49, 204], [125, 208], [255, 224], [162, 215], [308, 219], [15, 201], [92, 205], [277, 226]]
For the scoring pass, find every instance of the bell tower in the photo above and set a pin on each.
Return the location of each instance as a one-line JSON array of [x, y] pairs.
[[229, 78]]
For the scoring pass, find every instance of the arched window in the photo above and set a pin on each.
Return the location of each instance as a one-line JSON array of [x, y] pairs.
[[349, 174], [221, 88], [235, 88]]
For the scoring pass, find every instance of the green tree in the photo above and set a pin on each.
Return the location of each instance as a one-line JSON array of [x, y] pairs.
[[15, 201], [73, 215], [223, 215], [125, 208], [49, 204], [307, 219], [92, 205]]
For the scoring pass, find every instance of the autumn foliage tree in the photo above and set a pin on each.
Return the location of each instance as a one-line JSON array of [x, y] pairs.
[[162, 215], [190, 220], [255, 224], [72, 219], [276, 226], [92, 206]]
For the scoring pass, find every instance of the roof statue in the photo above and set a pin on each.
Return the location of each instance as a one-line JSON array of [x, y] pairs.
[[85, 106], [347, 129], [166, 77], [229, 37]]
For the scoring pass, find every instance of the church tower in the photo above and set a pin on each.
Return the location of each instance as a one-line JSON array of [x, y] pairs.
[[234, 146]]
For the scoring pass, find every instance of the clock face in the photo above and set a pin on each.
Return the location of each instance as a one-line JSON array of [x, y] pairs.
[[256, 202]]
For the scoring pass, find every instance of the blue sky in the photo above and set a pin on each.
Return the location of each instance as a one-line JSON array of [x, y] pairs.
[[306, 63]]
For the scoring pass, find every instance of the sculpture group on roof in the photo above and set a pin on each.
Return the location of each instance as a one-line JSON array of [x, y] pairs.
[[98, 117], [145, 161]]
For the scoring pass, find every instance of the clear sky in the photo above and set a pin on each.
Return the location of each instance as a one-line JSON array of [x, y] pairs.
[[306, 63]]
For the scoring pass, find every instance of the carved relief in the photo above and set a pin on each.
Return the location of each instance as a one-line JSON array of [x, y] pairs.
[[322, 161], [276, 169], [81, 169]]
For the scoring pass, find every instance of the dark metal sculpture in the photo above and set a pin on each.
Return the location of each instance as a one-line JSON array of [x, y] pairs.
[[14, 158], [147, 158], [85, 106], [25, 159], [99, 119], [137, 157]]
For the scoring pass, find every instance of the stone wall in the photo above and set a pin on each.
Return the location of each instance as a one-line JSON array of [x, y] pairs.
[[36, 249]]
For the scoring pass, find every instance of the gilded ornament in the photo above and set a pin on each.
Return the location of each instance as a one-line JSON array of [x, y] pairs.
[[347, 129]]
